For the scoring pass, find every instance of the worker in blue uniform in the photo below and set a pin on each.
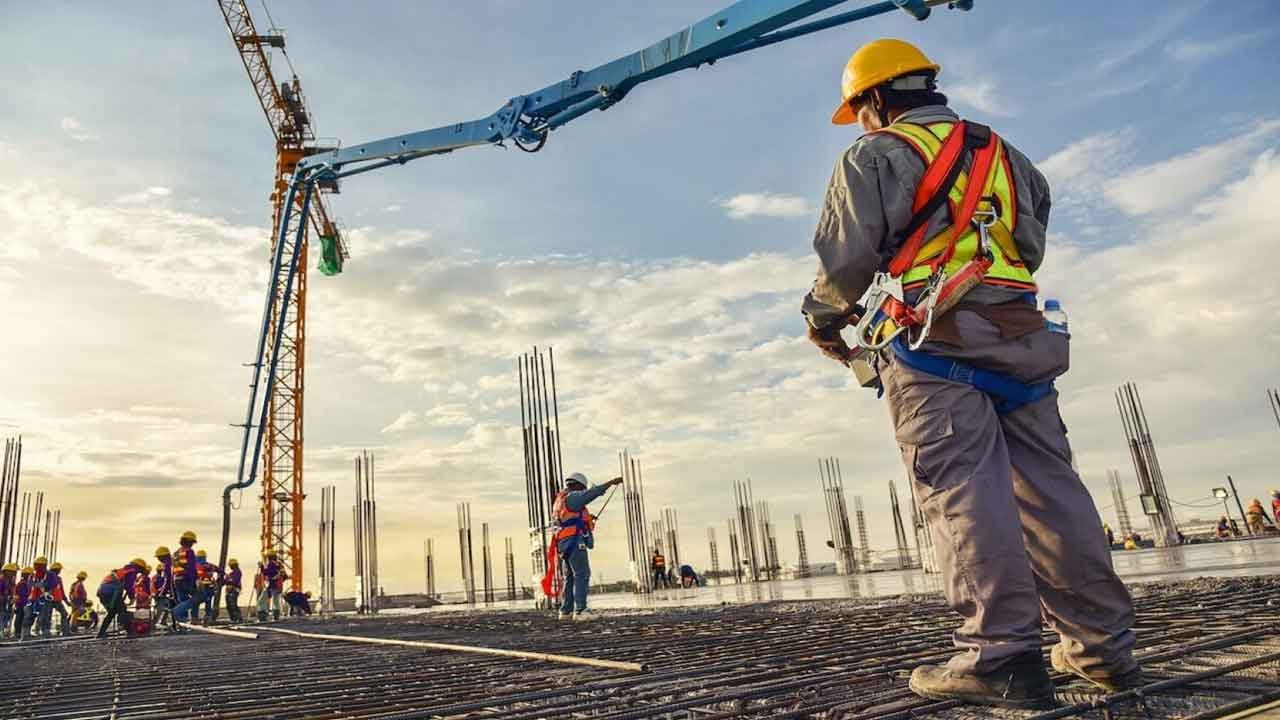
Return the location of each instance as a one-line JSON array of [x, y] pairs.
[[573, 538]]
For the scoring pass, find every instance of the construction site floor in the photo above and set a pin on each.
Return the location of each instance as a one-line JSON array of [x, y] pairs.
[[1210, 648]]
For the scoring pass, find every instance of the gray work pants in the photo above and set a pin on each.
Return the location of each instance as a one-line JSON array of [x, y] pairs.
[[1016, 533]]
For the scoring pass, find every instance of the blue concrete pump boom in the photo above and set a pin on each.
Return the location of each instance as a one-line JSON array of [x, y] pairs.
[[527, 121]]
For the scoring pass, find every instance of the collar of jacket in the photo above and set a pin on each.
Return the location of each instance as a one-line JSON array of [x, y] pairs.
[[928, 114]]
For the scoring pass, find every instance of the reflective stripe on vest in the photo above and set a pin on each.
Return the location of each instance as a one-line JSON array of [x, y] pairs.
[[1007, 269], [571, 522]]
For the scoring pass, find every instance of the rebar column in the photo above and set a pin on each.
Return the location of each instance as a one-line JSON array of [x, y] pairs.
[[715, 554], [638, 547], [735, 552], [1122, 506], [465, 553], [899, 530], [431, 568], [1146, 464], [487, 559], [802, 565], [511, 569]]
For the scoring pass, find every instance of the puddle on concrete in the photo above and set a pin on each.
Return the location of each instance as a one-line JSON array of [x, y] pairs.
[[1219, 559]]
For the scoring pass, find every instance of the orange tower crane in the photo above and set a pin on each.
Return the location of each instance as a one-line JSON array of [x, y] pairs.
[[290, 122]]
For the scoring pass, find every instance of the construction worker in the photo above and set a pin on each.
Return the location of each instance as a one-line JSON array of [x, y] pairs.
[[1256, 518], [1111, 536], [209, 578], [111, 593], [37, 597], [658, 568], [184, 581], [162, 588], [21, 596], [1014, 527], [78, 597], [8, 579], [573, 539], [1275, 505], [1223, 530], [299, 602], [272, 573], [233, 582], [689, 578], [57, 601]]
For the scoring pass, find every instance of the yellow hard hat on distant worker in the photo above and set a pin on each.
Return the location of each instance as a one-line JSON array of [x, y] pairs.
[[162, 552], [56, 567], [270, 553], [201, 554], [27, 570], [138, 563], [10, 567], [82, 575], [188, 535], [41, 561], [233, 562], [876, 63]]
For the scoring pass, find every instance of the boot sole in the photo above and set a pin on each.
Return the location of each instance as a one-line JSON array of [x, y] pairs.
[[1028, 704], [1060, 665]]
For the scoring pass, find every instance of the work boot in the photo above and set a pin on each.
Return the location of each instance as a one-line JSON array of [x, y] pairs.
[[584, 615], [564, 615], [262, 616], [1100, 680], [1021, 683]]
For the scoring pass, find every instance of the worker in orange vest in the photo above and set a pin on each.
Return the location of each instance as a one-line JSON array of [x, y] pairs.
[[658, 569], [574, 537], [8, 579], [57, 602], [927, 242], [37, 597]]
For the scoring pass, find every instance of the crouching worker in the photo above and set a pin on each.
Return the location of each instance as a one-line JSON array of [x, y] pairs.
[[573, 539], [299, 603]]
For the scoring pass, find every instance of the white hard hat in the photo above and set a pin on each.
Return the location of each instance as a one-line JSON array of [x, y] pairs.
[[577, 478]]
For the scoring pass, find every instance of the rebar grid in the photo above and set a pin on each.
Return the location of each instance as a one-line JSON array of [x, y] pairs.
[[1205, 644]]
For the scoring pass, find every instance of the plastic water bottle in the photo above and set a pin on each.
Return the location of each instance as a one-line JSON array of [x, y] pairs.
[[1055, 318]]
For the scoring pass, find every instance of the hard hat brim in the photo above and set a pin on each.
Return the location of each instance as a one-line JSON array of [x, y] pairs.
[[844, 115]]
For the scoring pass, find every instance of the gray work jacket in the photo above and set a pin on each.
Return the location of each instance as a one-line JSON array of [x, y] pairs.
[[870, 198]]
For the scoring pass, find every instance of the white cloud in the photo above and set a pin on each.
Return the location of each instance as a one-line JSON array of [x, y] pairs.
[[144, 196], [76, 130], [1173, 183], [406, 420], [1197, 51], [1077, 172], [391, 209], [766, 204], [983, 96]]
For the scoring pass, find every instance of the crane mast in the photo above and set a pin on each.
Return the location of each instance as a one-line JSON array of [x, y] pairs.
[[290, 121]]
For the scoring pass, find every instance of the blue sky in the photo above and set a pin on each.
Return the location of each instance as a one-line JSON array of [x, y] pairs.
[[662, 244]]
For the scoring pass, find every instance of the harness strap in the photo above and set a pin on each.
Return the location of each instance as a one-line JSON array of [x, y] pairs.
[[935, 186], [1006, 393]]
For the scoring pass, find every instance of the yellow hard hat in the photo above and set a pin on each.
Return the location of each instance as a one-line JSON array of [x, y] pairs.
[[27, 570], [188, 535], [270, 553], [138, 563], [82, 575], [876, 63], [162, 552], [41, 561], [201, 553], [10, 567], [56, 567], [233, 562]]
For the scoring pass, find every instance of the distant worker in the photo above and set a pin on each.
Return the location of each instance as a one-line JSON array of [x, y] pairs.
[[1275, 505], [658, 568], [573, 538], [1014, 527], [299, 603], [8, 581], [21, 596], [112, 593], [1131, 542], [272, 573], [57, 602], [233, 582], [1257, 518], [1223, 530], [1111, 536], [689, 578], [78, 597], [209, 580], [186, 591], [37, 597]]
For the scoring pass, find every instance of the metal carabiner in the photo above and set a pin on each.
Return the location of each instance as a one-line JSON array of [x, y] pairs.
[[927, 302], [883, 287], [982, 220]]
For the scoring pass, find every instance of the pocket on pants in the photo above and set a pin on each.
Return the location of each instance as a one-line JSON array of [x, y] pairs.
[[919, 438]]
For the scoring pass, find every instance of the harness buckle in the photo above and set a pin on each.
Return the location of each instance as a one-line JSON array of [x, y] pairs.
[[883, 288], [925, 307], [982, 221]]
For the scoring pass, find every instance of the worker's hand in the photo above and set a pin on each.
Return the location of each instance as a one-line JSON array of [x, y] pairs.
[[830, 342], [615, 481]]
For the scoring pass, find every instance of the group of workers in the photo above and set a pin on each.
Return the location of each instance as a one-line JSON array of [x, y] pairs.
[[662, 576], [182, 586], [1255, 517]]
